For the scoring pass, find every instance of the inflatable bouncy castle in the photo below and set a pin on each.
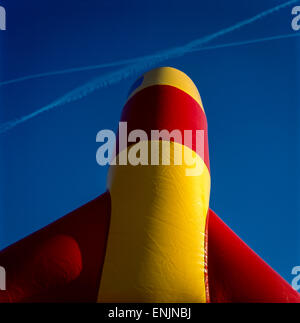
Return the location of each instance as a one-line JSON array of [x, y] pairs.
[[151, 237]]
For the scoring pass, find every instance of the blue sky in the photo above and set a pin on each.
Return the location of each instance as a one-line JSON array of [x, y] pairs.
[[250, 94]]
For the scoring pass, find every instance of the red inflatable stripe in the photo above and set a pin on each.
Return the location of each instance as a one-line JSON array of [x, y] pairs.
[[166, 107]]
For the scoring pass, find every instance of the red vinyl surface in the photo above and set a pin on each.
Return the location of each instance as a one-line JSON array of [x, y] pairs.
[[237, 274], [63, 261]]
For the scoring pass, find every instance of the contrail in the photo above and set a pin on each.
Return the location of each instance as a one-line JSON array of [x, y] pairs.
[[134, 60], [70, 70], [246, 42], [138, 65], [80, 92], [241, 24]]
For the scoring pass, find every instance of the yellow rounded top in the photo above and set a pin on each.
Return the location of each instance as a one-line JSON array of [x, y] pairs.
[[167, 76]]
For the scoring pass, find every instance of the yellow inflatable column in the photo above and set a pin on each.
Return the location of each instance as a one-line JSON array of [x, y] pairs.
[[156, 243]]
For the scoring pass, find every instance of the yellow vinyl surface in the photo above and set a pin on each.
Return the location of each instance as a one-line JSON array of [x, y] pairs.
[[155, 249], [170, 76]]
